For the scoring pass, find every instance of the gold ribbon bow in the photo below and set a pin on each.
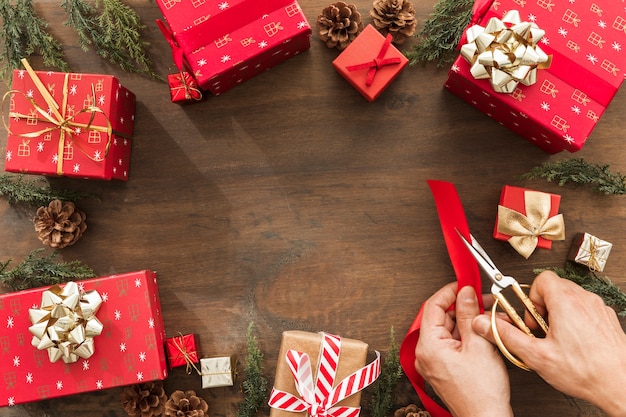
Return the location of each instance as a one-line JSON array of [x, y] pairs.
[[526, 229], [66, 323], [506, 52]]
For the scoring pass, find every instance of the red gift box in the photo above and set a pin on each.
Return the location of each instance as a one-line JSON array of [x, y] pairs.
[[183, 88], [226, 43], [562, 108], [129, 350], [76, 125], [519, 200], [370, 63], [182, 350]]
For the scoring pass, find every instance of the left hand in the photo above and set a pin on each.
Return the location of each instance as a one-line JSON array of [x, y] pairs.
[[465, 370]]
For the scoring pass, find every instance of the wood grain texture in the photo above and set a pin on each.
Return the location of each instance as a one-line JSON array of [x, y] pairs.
[[292, 202]]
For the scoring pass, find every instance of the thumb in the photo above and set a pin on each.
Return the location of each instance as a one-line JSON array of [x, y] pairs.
[[516, 341], [466, 310]]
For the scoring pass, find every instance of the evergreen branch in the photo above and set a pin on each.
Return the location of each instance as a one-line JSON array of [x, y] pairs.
[[25, 33], [391, 372], [80, 17], [602, 286], [255, 385], [441, 32], [19, 190], [36, 271], [579, 171]]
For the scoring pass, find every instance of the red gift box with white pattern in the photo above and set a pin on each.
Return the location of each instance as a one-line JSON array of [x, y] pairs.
[[130, 349], [225, 43], [586, 39], [89, 134]]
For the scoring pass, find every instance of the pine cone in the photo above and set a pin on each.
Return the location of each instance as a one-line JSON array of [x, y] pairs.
[[60, 224], [411, 410], [186, 404], [396, 17], [339, 24], [144, 400]]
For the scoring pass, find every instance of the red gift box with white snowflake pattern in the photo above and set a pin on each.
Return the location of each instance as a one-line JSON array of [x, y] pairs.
[[586, 39], [69, 124], [225, 43], [129, 350]]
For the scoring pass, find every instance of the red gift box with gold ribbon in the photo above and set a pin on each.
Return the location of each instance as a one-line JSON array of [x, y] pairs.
[[69, 124], [585, 40], [127, 348], [226, 43]]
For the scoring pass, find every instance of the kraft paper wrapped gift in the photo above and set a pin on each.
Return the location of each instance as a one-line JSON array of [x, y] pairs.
[[586, 41], [590, 251], [128, 350]]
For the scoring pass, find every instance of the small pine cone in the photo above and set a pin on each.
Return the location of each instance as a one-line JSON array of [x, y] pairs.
[[144, 400], [186, 404], [411, 410], [60, 224], [339, 24], [396, 17]]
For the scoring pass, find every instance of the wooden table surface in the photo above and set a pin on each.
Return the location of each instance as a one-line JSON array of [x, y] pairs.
[[292, 202]]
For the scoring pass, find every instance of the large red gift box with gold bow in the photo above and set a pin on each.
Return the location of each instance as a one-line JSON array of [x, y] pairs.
[[128, 350], [223, 43], [558, 112], [70, 124]]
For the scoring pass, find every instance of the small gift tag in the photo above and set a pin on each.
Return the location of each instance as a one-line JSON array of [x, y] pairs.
[[217, 371], [183, 88], [590, 251]]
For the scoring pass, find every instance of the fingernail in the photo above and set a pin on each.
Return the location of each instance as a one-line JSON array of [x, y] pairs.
[[481, 325], [467, 295]]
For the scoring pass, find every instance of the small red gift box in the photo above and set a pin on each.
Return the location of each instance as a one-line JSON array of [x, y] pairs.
[[129, 350], [182, 350], [75, 125], [530, 217], [370, 63], [183, 88], [560, 110], [226, 43]]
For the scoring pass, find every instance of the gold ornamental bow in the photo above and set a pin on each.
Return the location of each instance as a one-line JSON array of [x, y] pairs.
[[66, 323], [506, 51], [525, 230]]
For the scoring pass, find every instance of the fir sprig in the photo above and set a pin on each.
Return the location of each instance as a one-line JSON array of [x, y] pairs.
[[37, 270], [612, 295], [23, 33], [441, 33], [36, 193], [579, 171], [391, 372], [255, 384]]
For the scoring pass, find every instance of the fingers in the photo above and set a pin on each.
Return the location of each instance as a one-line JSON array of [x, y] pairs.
[[516, 341], [436, 306]]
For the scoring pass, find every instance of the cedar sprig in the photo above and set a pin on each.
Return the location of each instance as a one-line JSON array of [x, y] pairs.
[[80, 17], [383, 397], [579, 171], [36, 193], [23, 33], [254, 386], [441, 33], [612, 295], [38, 270]]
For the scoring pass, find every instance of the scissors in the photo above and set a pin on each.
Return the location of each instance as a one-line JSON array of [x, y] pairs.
[[500, 282]]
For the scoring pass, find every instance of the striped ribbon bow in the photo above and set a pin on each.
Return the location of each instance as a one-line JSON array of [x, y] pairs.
[[318, 398]]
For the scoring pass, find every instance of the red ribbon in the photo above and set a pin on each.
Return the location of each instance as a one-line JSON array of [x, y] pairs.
[[478, 12], [452, 218], [377, 63]]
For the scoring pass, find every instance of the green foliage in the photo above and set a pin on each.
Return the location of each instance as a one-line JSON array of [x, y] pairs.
[[579, 171], [255, 384], [35, 193], [391, 372], [602, 286], [38, 270], [24, 33], [441, 33]]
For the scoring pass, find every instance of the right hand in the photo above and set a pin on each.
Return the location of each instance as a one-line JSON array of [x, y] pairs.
[[584, 352]]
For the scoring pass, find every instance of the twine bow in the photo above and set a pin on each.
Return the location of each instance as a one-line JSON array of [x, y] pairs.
[[189, 357], [506, 52], [187, 85], [377, 63], [319, 397], [526, 229], [66, 323]]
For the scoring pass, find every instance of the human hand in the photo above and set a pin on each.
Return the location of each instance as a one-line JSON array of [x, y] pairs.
[[584, 352], [465, 370]]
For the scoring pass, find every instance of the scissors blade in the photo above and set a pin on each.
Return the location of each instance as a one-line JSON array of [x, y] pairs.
[[483, 260]]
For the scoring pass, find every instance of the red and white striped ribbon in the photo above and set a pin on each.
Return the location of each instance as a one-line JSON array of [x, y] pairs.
[[319, 398]]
